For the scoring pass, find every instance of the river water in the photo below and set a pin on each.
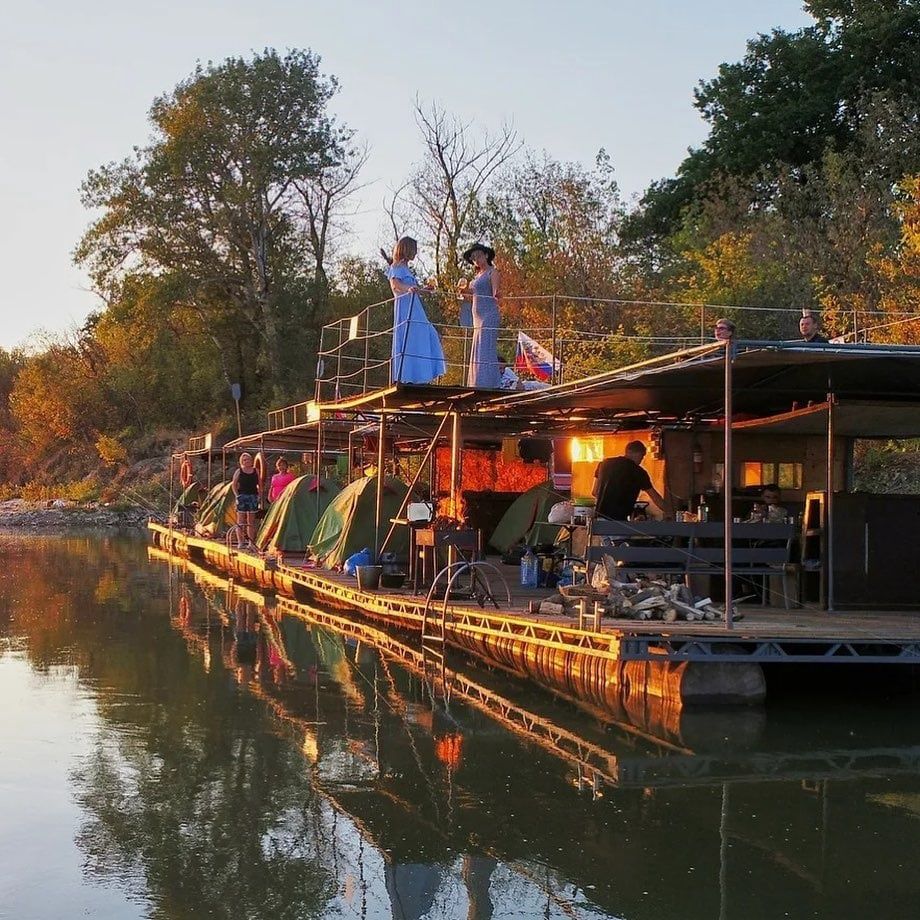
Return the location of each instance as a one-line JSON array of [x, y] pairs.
[[173, 747]]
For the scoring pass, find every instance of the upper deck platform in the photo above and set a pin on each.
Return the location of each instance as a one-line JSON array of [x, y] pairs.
[[770, 379]]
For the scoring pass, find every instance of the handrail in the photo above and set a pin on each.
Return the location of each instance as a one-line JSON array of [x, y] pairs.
[[354, 354]]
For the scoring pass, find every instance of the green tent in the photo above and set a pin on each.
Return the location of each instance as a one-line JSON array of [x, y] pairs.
[[193, 492], [348, 523], [291, 519], [519, 523], [217, 511]]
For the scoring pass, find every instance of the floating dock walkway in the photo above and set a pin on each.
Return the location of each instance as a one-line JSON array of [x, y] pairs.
[[684, 663]]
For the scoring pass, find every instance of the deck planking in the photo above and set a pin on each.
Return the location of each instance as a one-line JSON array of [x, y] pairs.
[[755, 622]]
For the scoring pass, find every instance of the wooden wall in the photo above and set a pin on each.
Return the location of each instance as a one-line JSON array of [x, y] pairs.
[[672, 470]]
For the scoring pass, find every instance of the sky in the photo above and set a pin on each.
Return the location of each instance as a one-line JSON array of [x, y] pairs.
[[77, 80]]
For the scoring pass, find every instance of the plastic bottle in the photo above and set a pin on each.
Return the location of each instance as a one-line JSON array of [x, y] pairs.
[[529, 569]]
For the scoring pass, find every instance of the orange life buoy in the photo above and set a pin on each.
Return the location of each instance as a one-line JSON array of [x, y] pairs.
[[185, 473], [259, 464]]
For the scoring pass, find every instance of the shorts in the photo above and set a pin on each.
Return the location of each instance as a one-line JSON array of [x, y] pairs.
[[248, 504]]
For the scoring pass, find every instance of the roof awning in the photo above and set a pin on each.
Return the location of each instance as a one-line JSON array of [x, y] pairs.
[[851, 419], [767, 379]]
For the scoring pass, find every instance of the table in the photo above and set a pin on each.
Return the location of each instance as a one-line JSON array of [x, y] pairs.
[[465, 541]]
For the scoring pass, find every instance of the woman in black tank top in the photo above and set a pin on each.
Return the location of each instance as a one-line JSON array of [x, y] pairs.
[[247, 487]]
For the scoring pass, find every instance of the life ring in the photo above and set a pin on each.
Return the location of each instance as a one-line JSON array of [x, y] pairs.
[[259, 464], [185, 473]]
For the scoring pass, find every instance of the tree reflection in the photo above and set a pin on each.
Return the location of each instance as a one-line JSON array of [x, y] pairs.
[[190, 800]]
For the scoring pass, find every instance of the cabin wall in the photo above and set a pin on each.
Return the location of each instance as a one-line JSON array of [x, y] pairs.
[[670, 465]]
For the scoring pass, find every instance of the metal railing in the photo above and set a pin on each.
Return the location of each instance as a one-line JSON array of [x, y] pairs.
[[584, 335], [356, 352]]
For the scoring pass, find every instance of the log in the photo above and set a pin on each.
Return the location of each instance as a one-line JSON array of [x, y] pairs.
[[551, 610]]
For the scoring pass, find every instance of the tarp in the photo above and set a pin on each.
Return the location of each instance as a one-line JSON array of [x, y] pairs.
[[291, 520], [348, 523], [217, 511], [520, 522]]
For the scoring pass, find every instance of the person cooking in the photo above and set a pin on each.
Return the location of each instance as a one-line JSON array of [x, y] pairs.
[[618, 482]]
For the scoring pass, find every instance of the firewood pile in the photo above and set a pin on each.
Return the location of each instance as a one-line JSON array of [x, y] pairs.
[[642, 599]]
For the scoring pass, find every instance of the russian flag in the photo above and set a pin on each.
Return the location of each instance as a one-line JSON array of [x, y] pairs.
[[533, 358]]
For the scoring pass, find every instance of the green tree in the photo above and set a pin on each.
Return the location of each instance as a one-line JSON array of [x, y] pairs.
[[793, 96], [213, 207]]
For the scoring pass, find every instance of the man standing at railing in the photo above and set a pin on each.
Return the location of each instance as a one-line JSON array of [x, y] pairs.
[[618, 482]]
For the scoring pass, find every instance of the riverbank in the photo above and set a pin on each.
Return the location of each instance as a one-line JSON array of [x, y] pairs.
[[60, 513]]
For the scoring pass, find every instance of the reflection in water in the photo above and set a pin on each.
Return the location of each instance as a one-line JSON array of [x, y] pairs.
[[240, 758]]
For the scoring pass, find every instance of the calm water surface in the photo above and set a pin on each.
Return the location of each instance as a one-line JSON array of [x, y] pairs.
[[172, 748]]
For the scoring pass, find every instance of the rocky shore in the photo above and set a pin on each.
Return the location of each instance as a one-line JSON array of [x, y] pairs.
[[59, 513]]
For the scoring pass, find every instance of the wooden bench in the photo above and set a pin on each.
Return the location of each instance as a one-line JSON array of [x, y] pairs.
[[687, 549]]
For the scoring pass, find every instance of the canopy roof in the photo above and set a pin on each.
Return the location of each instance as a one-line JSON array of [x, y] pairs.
[[851, 419], [767, 379]]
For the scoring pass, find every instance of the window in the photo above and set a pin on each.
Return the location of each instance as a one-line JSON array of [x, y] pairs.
[[759, 473], [589, 450]]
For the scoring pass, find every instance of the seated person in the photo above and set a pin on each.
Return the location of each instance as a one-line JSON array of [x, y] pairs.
[[768, 510], [618, 482]]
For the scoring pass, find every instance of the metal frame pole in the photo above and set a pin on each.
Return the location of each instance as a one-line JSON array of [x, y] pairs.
[[266, 474], [418, 475], [367, 344], [553, 378], [728, 481], [336, 393], [351, 456], [319, 465], [169, 512], [456, 477], [381, 459], [829, 504]]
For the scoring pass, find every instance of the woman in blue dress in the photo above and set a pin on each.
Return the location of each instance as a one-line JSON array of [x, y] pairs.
[[417, 355], [483, 290]]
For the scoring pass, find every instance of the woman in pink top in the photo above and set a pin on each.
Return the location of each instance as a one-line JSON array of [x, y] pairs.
[[280, 480]]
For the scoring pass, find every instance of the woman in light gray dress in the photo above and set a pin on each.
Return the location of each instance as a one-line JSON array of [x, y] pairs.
[[484, 292]]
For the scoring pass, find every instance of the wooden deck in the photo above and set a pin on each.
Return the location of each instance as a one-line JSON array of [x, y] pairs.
[[755, 621], [512, 636]]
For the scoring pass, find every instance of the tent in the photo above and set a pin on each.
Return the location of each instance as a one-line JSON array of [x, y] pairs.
[[291, 519], [193, 492], [217, 512], [348, 523], [519, 523]]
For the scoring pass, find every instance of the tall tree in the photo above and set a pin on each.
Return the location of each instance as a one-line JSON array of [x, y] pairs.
[[449, 182], [212, 205], [793, 96]]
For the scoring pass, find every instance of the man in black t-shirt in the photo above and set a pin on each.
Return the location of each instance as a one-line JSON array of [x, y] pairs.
[[618, 482]]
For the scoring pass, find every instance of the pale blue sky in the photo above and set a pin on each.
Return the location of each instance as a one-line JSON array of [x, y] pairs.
[[76, 80]]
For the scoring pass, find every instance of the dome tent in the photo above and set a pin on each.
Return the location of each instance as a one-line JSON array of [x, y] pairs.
[[519, 523], [194, 492], [349, 521], [291, 520], [217, 512]]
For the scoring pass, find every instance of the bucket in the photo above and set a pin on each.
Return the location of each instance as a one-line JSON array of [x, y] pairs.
[[369, 577]]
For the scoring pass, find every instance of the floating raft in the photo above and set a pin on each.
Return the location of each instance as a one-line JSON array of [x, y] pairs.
[[683, 663]]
